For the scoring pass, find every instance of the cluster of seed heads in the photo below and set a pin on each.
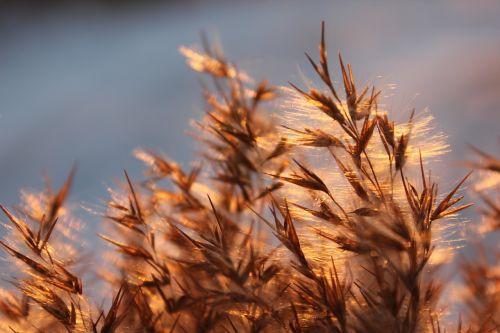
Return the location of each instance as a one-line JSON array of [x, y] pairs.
[[253, 239]]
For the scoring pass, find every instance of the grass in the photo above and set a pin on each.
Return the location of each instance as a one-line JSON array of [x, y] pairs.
[[323, 218]]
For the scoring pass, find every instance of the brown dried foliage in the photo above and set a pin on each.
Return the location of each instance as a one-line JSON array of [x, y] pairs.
[[481, 277], [194, 255]]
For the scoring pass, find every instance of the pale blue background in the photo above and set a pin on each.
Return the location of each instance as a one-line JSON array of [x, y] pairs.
[[91, 82]]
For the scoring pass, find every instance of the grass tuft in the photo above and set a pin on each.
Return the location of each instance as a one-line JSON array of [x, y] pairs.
[[323, 218]]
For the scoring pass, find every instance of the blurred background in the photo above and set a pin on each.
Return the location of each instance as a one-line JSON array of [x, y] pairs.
[[91, 81]]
